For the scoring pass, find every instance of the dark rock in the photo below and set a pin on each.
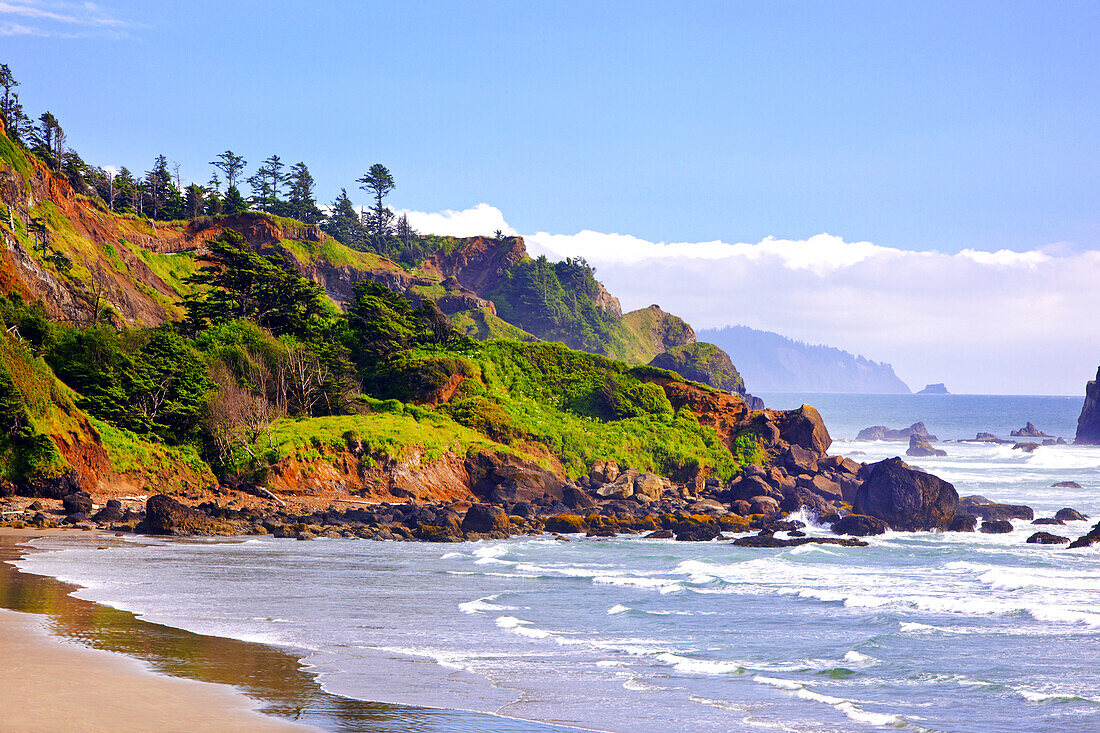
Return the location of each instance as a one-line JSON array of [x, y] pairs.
[[987, 509], [939, 388], [741, 507], [1048, 520], [165, 515], [1066, 485], [660, 534], [1046, 538], [746, 487], [79, 501], [767, 540], [921, 448], [905, 499], [881, 432], [111, 512], [1070, 515], [963, 523], [799, 461], [1026, 447], [506, 477], [1029, 431], [697, 532], [74, 518], [824, 487], [484, 518], [50, 487], [522, 509], [576, 498], [996, 526], [859, 525]]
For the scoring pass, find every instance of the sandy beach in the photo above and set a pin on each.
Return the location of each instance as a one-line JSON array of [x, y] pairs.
[[51, 684]]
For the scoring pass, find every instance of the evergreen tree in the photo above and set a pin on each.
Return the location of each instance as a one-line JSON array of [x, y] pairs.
[[214, 205], [48, 140], [267, 185], [231, 165], [301, 202], [160, 189], [193, 200], [234, 203], [11, 111], [379, 183], [343, 223]]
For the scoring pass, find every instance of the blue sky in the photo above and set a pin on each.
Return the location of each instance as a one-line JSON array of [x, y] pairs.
[[919, 127]]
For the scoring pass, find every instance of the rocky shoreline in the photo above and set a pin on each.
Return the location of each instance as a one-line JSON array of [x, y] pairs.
[[512, 497]]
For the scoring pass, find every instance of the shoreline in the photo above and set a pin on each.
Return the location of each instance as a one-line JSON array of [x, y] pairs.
[[210, 682]]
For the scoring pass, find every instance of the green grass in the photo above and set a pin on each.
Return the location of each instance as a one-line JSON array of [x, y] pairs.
[[336, 254], [129, 453], [391, 430], [482, 325], [14, 158], [173, 269], [642, 334]]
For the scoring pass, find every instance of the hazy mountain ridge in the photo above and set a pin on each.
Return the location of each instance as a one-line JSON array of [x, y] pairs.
[[771, 362]]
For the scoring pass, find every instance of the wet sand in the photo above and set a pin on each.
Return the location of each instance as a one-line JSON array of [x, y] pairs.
[[157, 677], [48, 684]]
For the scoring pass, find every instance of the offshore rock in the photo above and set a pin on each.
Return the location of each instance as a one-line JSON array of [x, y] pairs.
[[906, 499], [963, 523], [485, 518], [1029, 431], [1046, 538], [881, 432], [1070, 515], [919, 447], [987, 509], [766, 539], [996, 526], [1088, 424]]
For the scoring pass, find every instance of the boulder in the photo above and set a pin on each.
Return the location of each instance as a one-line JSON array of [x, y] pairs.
[[987, 509], [963, 523], [920, 447], [1025, 447], [648, 487], [746, 487], [566, 524], [576, 498], [741, 507], [906, 499], [1048, 520], [1046, 538], [702, 532], [621, 488], [1066, 485], [604, 472], [660, 534], [111, 512], [78, 501], [484, 518], [1070, 515], [996, 526], [49, 487], [504, 477], [823, 487], [763, 505], [859, 525], [799, 461], [805, 428], [165, 515]]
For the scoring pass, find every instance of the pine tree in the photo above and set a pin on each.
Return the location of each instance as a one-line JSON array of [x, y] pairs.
[[267, 185], [48, 140], [343, 223], [231, 165], [379, 183], [301, 202], [234, 203], [193, 200], [11, 111]]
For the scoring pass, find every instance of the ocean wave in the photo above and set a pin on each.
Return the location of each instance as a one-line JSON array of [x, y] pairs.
[[479, 605], [843, 705]]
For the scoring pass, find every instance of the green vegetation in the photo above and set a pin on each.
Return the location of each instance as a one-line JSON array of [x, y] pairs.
[[644, 333], [702, 362]]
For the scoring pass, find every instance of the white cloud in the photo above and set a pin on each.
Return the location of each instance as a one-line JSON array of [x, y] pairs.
[[61, 20], [481, 220], [983, 322]]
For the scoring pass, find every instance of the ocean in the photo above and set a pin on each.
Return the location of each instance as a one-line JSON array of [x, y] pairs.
[[924, 631]]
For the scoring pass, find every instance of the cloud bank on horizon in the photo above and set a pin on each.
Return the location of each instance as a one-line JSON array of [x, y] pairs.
[[983, 322]]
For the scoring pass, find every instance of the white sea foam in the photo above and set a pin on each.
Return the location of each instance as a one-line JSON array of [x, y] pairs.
[[840, 704], [483, 604], [521, 627], [617, 609], [856, 657]]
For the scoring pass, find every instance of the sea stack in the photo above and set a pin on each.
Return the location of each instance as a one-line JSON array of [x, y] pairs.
[[1088, 424], [937, 388]]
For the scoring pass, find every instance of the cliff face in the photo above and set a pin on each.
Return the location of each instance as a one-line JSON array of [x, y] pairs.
[[1088, 424]]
